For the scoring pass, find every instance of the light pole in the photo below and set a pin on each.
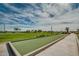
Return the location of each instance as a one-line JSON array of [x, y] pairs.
[[4, 27], [51, 29]]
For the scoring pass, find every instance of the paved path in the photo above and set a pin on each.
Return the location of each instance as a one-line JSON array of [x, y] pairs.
[[65, 47], [3, 50]]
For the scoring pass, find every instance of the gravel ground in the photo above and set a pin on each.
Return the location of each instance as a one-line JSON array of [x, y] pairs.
[[66, 47]]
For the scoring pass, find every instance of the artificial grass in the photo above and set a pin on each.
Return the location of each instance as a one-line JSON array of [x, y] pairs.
[[24, 47]]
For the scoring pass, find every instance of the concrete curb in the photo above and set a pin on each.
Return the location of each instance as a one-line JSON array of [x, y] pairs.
[[44, 47], [14, 50], [77, 40]]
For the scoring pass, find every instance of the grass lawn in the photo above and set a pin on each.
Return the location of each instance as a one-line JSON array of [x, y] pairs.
[[5, 37], [24, 47]]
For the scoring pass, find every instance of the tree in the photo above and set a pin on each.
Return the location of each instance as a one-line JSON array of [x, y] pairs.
[[67, 29], [28, 31], [35, 31], [77, 30], [16, 29], [39, 30]]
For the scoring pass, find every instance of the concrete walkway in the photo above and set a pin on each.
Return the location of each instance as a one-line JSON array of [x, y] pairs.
[[3, 50], [66, 47]]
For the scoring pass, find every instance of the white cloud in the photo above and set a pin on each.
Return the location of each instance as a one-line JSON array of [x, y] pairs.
[[42, 17]]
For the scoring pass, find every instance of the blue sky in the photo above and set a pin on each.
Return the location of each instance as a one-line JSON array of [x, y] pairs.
[[39, 16]]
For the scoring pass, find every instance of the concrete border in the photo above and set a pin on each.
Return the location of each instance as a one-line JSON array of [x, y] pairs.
[[77, 40], [33, 53], [14, 49]]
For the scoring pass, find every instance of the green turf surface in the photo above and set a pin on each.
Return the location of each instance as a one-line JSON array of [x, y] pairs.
[[5, 37], [24, 47], [78, 35]]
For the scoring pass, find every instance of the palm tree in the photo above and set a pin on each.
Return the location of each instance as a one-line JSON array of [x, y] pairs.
[[16, 29], [67, 29], [77, 30]]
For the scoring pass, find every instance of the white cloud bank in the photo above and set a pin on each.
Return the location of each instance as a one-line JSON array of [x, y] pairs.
[[45, 15]]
